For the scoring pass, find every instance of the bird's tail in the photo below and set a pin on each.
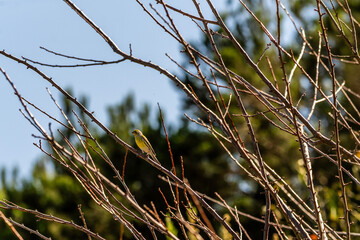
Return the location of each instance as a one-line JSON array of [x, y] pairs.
[[153, 156]]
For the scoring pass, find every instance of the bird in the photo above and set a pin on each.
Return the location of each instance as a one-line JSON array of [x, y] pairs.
[[144, 144]]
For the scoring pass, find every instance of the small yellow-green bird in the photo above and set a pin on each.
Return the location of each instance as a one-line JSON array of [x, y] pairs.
[[144, 144]]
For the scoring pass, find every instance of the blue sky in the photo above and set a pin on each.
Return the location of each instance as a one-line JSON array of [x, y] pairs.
[[27, 25]]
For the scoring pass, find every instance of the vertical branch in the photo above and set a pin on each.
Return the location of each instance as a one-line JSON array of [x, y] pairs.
[[353, 29], [316, 79], [83, 220], [171, 155], [336, 124], [310, 184], [303, 146]]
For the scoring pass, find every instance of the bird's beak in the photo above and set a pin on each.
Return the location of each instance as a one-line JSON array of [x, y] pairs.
[[133, 132]]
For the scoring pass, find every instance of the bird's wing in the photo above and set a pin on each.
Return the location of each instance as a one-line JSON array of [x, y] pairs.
[[151, 150], [149, 145]]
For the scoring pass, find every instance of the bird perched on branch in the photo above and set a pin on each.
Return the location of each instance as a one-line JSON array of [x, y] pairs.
[[144, 144]]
